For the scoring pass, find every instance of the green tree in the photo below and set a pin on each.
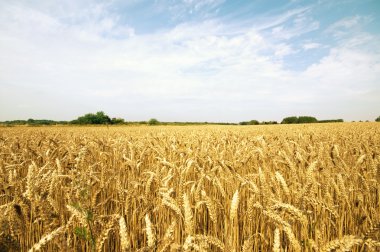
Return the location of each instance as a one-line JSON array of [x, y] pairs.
[[290, 120], [153, 121], [331, 121], [98, 118], [117, 121], [301, 119], [307, 119], [268, 122], [252, 122], [378, 119]]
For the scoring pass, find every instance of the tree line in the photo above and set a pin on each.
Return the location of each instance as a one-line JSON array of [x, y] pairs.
[[292, 120], [100, 117]]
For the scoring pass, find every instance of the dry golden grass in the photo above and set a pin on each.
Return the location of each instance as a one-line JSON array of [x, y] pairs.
[[191, 188]]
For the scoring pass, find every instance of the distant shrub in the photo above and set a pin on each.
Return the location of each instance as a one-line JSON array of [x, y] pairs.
[[331, 121], [268, 122], [301, 119], [378, 119], [307, 119], [153, 121], [290, 120], [117, 121], [98, 118], [252, 122]]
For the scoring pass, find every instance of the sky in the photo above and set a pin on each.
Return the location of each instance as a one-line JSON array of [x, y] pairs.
[[190, 60]]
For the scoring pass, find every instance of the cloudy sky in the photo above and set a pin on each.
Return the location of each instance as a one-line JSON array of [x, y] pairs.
[[190, 60]]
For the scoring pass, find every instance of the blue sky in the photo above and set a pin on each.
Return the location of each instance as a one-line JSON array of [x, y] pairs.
[[190, 60]]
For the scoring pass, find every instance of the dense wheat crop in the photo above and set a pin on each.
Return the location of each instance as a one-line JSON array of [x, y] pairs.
[[194, 188]]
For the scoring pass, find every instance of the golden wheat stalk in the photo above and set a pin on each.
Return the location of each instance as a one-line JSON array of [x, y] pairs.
[[248, 244], [78, 214], [104, 235], [46, 238], [276, 240], [211, 240], [124, 240], [282, 182], [189, 227], [211, 207], [292, 210], [234, 206], [149, 232], [344, 244]]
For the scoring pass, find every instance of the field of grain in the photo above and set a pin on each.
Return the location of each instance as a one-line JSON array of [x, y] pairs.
[[192, 188]]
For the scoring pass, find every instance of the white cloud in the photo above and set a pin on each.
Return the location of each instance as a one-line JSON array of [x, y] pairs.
[[283, 50], [346, 84], [182, 9], [346, 68], [347, 25], [198, 4], [270, 21], [309, 46], [300, 25]]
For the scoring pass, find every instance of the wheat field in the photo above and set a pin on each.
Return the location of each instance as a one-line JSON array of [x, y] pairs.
[[191, 188]]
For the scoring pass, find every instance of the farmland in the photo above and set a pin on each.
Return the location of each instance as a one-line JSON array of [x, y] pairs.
[[190, 188]]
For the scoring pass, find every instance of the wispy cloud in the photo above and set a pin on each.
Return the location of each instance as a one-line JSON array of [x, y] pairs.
[[301, 24], [186, 9], [268, 21], [347, 25], [309, 46]]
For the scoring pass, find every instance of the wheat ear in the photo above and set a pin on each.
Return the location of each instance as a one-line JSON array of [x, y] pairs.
[[124, 241], [46, 238], [234, 205], [149, 232], [189, 227], [276, 241], [343, 244]]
